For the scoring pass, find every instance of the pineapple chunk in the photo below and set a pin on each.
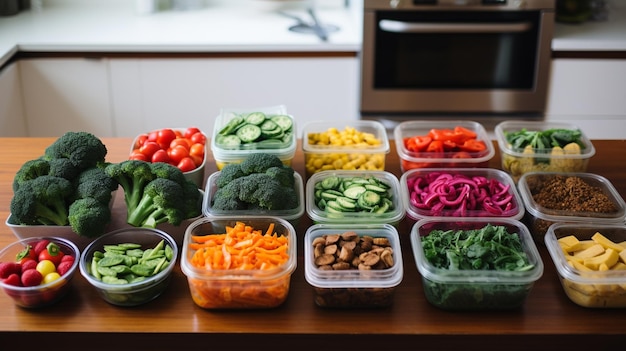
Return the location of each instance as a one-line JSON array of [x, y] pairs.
[[609, 257], [569, 243], [606, 242], [592, 251], [622, 256]]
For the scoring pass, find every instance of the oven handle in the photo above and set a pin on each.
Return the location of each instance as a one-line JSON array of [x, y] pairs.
[[412, 27]]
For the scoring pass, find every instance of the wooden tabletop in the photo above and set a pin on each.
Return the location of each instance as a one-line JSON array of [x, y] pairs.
[[84, 321]]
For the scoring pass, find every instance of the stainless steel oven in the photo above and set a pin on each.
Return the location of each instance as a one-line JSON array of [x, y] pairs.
[[455, 56]]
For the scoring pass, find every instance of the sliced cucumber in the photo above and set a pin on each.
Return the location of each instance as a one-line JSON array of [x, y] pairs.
[[346, 203], [230, 127], [330, 182], [228, 141], [285, 122], [375, 188], [354, 192], [256, 118], [269, 125], [249, 133], [369, 199]]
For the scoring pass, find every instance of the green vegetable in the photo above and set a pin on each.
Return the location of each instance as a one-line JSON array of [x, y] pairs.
[[256, 130], [89, 217], [83, 149], [42, 200], [543, 139], [336, 194]]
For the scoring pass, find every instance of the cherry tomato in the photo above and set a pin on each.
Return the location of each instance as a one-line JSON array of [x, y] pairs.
[[197, 160], [179, 134], [165, 137], [160, 156], [177, 153], [198, 138], [141, 139], [137, 155], [27, 254], [190, 131], [153, 136], [182, 142], [45, 267], [149, 148], [53, 253], [197, 150], [186, 164]]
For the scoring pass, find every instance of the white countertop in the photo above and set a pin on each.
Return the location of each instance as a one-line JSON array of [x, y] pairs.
[[231, 26]]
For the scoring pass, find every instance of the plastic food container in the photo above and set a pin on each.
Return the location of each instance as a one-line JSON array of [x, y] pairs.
[[339, 284], [496, 185], [362, 145], [585, 283], [196, 175], [292, 215], [134, 291], [456, 158], [475, 289], [224, 154], [517, 162], [597, 200], [43, 294], [239, 288], [340, 205]]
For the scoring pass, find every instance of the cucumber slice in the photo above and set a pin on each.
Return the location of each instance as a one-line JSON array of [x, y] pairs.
[[346, 203], [375, 188], [256, 118], [354, 192], [228, 141], [231, 125], [330, 194], [330, 182], [285, 122], [269, 125], [276, 133], [249, 133], [368, 199], [333, 205]]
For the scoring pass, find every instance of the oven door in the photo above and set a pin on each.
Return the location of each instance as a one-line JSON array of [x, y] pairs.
[[455, 61]]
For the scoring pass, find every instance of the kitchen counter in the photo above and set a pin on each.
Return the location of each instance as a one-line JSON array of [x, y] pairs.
[[82, 320]]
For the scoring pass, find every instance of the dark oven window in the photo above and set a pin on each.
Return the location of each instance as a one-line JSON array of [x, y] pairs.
[[432, 60]]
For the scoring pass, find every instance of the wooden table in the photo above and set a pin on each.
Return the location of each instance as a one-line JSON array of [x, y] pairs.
[[84, 321]]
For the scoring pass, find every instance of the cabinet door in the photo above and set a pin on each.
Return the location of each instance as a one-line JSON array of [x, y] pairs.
[[179, 92], [12, 123], [68, 94]]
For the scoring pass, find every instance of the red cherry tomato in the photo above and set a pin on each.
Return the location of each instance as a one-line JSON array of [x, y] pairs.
[[53, 253], [177, 153], [197, 150], [141, 139], [153, 136], [160, 156], [186, 143], [186, 164], [165, 137], [198, 138], [138, 155], [149, 148], [191, 131]]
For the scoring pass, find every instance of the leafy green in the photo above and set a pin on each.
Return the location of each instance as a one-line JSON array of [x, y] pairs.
[[543, 139]]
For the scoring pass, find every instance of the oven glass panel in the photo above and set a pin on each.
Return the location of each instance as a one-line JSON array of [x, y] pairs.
[[437, 59]]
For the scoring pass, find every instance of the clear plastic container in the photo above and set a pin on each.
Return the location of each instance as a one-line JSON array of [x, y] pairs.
[[584, 284], [133, 293], [239, 288], [350, 287], [367, 150], [448, 159], [291, 215], [389, 209], [475, 289], [498, 186], [224, 155], [540, 215], [43, 294], [516, 162]]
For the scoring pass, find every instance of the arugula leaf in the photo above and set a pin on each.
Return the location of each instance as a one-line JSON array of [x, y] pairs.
[[545, 139]]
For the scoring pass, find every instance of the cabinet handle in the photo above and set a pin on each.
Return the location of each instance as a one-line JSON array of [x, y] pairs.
[[413, 27]]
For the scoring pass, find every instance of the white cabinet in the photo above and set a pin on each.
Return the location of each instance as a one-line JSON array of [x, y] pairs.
[[154, 93], [12, 122], [591, 94], [68, 94]]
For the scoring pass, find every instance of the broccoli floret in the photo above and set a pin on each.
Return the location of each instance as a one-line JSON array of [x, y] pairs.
[[83, 149], [228, 173], [95, 183], [43, 200], [225, 199], [192, 204], [168, 171], [162, 202], [89, 217], [255, 191], [30, 170], [259, 163], [64, 168], [133, 176], [283, 174]]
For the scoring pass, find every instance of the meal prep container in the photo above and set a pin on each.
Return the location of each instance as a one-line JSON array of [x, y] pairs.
[[43, 294], [133, 293], [238, 288], [196, 175], [223, 155], [353, 287], [585, 286], [506, 193], [518, 162], [292, 215], [413, 160], [465, 289], [539, 217], [362, 155], [392, 215]]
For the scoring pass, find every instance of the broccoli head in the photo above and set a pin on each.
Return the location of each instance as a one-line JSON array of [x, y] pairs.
[[64, 168], [225, 199], [94, 182], [256, 190], [83, 149], [162, 201], [283, 174], [89, 217], [133, 176], [259, 163], [30, 170], [42, 200], [228, 173], [167, 171]]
